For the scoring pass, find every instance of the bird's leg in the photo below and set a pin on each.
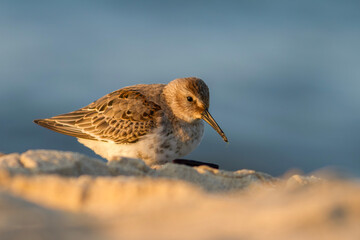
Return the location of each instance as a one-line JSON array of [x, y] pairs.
[[193, 163]]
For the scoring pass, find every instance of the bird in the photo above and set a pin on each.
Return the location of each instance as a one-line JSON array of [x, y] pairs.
[[157, 123]]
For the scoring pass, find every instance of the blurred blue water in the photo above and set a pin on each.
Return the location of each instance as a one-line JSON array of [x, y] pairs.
[[284, 75]]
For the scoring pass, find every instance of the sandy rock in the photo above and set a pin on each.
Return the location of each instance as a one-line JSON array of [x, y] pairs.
[[51, 161], [77, 197], [75, 164], [208, 178], [96, 194], [297, 181], [136, 208], [211, 179], [128, 167], [11, 163], [20, 219], [63, 163], [318, 212]]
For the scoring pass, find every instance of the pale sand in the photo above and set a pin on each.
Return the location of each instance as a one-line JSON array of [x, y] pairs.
[[45, 195]]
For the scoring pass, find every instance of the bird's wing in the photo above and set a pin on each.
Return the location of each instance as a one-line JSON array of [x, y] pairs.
[[123, 116]]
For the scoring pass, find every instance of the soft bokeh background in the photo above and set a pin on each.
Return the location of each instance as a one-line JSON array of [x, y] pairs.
[[284, 75]]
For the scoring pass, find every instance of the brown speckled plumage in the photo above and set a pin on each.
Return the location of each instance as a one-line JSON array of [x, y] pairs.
[[122, 116]]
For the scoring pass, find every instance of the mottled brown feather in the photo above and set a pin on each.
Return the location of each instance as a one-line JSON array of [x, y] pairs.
[[123, 116]]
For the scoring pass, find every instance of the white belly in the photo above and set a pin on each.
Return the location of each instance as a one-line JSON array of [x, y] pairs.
[[154, 148]]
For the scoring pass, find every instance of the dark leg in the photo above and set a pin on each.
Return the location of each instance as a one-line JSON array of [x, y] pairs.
[[193, 163]]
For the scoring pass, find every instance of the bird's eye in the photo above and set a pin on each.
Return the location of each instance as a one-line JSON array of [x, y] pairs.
[[190, 99]]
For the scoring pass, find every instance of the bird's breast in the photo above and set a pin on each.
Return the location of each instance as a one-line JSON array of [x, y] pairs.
[[188, 137]]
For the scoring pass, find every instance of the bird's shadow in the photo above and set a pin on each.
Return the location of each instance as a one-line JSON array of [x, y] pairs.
[[193, 163]]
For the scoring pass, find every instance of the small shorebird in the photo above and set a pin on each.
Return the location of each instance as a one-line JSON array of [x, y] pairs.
[[156, 123]]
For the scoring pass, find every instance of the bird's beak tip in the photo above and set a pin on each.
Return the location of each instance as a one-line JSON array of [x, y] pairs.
[[206, 116]]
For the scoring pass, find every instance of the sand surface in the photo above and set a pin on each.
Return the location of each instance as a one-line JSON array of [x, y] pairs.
[[63, 195]]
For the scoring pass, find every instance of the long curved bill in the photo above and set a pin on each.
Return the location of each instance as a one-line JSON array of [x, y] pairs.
[[211, 121]]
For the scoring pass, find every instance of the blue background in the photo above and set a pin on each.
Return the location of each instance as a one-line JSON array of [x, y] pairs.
[[284, 75]]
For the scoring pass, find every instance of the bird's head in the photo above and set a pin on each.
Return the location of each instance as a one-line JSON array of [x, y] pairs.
[[188, 99]]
